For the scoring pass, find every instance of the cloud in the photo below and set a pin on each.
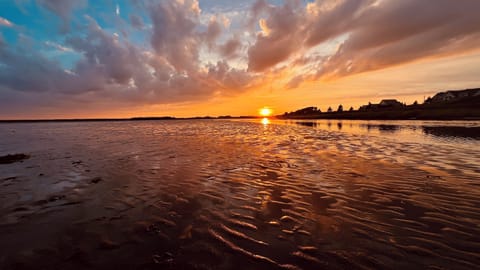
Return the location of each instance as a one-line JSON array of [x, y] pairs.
[[213, 32], [174, 32], [136, 21], [230, 48], [175, 52], [105, 60], [57, 46], [324, 20], [25, 70], [293, 28], [119, 71], [230, 79], [257, 8], [279, 37], [63, 8], [295, 82], [383, 38], [5, 22], [378, 35]]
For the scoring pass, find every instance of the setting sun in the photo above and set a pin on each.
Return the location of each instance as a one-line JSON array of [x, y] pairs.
[[265, 111]]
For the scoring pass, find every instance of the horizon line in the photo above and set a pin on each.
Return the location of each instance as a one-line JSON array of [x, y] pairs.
[[136, 118]]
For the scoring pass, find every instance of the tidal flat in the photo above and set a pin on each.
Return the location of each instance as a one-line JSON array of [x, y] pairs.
[[239, 194]]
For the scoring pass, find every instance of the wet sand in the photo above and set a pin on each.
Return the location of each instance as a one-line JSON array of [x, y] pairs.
[[235, 195]]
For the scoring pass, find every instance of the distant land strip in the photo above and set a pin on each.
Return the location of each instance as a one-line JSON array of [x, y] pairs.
[[123, 119]]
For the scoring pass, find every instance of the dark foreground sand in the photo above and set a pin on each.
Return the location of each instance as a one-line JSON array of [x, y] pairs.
[[233, 195]]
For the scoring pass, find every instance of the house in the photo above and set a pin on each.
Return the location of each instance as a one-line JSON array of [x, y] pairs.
[[384, 104], [369, 107], [390, 103], [452, 96], [305, 111], [443, 97], [363, 108]]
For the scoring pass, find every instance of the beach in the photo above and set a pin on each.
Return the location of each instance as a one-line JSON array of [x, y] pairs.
[[239, 194]]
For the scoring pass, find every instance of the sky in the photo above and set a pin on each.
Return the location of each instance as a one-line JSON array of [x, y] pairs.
[[95, 59]]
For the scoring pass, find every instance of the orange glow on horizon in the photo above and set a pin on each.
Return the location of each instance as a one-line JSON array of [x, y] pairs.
[[265, 111]]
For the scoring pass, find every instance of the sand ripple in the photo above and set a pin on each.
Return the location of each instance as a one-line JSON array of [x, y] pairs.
[[238, 195]]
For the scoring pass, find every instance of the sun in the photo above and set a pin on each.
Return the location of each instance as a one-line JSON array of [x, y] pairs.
[[265, 111]]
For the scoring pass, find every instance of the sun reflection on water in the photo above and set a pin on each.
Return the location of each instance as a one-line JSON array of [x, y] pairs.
[[265, 121]]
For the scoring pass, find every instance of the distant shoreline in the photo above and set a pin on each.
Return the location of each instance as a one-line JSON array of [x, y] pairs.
[[450, 105], [162, 118], [324, 116], [408, 114]]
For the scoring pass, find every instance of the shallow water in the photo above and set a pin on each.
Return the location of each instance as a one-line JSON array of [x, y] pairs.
[[219, 194]]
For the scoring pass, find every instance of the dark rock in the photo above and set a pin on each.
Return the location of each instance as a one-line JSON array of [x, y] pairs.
[[56, 198], [19, 209], [9, 178], [40, 202], [107, 244], [13, 158], [166, 259], [96, 180]]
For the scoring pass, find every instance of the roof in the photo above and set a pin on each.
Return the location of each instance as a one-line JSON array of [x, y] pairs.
[[389, 100]]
